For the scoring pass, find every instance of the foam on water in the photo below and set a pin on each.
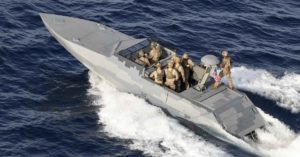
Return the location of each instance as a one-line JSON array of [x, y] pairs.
[[284, 90], [277, 139], [151, 131], [129, 117]]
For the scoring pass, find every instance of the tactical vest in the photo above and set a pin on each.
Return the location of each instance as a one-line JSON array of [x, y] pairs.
[[170, 74], [225, 61], [159, 76]]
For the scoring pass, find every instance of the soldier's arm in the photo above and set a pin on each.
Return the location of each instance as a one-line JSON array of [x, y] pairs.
[[182, 73], [191, 63], [229, 62], [176, 74], [150, 54], [152, 74], [147, 62]]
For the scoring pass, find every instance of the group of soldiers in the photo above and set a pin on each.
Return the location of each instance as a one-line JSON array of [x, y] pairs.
[[153, 57], [178, 70]]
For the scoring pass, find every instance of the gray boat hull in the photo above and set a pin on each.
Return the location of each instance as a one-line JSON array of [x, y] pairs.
[[97, 47]]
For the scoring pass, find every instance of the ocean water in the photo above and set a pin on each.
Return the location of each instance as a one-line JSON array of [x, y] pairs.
[[51, 105]]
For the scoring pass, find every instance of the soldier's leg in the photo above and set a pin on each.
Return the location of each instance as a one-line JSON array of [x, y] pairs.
[[216, 85], [229, 80], [178, 84], [187, 77]]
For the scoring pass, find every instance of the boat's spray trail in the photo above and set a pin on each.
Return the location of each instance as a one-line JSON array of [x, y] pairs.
[[284, 90], [129, 117], [277, 139]]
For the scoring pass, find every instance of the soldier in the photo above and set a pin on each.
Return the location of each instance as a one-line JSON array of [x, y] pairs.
[[158, 74], [180, 71], [154, 54], [226, 66], [187, 65], [142, 59], [171, 76], [173, 57]]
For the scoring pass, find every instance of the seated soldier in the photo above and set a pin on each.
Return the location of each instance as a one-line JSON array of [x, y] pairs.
[[142, 59], [180, 71], [187, 65], [155, 53], [158, 75], [171, 76]]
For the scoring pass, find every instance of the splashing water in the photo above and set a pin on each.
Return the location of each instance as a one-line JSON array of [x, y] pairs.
[[285, 90], [277, 139], [129, 117], [151, 131]]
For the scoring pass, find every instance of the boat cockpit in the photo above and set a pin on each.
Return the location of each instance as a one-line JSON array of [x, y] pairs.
[[200, 73]]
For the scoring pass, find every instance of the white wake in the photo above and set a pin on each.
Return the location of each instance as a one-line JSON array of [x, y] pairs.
[[277, 139], [284, 90], [151, 131]]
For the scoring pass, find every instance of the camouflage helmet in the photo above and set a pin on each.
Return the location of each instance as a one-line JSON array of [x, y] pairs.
[[158, 46], [185, 55], [158, 65], [224, 53], [177, 60], [141, 53], [170, 64], [153, 44], [174, 56]]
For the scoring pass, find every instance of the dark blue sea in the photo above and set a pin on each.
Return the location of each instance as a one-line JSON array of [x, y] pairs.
[[51, 105]]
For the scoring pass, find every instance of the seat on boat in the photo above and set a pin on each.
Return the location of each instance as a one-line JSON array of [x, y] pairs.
[[200, 74]]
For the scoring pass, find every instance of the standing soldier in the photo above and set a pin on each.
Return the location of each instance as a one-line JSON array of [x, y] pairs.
[[226, 66], [180, 71], [171, 76], [187, 65], [158, 74]]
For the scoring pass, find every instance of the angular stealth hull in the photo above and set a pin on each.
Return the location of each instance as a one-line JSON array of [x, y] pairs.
[[108, 53]]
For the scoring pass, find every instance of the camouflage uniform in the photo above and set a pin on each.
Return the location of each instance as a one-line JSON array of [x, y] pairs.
[[226, 66], [171, 76], [158, 75], [187, 65]]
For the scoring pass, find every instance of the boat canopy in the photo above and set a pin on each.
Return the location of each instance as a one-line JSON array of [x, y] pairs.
[[133, 48]]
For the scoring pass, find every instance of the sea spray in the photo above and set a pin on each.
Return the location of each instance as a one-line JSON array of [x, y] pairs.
[[151, 131], [284, 90], [128, 117]]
